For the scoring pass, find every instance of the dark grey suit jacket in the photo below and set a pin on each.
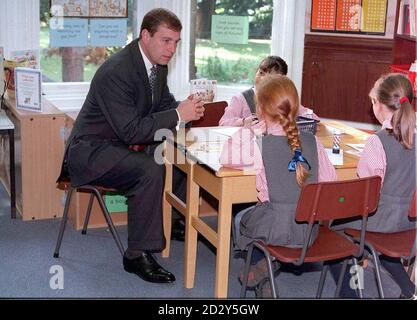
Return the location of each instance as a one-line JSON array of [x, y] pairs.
[[118, 111]]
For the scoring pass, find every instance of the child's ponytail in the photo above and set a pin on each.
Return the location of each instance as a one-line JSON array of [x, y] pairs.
[[404, 122], [395, 91]]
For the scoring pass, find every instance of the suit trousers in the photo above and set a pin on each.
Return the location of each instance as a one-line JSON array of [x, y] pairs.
[[142, 180]]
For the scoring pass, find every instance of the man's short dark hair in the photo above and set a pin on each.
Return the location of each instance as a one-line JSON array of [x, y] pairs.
[[160, 16]]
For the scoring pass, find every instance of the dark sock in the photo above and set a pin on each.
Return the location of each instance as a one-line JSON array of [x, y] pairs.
[[398, 273], [133, 254], [257, 255], [346, 291]]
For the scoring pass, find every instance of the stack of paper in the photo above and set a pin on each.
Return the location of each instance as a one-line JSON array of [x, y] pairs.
[[357, 146], [335, 158]]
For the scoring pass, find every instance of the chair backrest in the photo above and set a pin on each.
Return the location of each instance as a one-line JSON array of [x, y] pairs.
[[412, 212], [212, 114], [337, 200]]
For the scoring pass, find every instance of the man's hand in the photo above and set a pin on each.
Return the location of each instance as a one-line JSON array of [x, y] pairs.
[[191, 109], [136, 147]]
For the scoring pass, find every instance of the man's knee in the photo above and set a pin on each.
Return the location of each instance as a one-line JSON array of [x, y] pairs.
[[155, 173]]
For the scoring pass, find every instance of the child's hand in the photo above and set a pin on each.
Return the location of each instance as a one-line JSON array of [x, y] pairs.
[[250, 121], [259, 128]]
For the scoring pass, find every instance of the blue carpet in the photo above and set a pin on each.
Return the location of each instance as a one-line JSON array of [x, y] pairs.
[[92, 267]]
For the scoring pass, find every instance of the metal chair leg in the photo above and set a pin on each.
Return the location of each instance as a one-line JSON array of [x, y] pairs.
[[63, 222], [340, 280], [271, 276], [246, 272], [411, 266], [377, 273], [87, 215], [109, 222], [322, 280]]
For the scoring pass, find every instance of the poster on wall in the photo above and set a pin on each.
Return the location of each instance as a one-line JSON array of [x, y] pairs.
[[28, 84], [323, 15], [26, 58], [108, 32], [108, 8], [349, 16], [70, 8], [230, 29], [74, 33], [89, 8], [374, 14], [116, 203]]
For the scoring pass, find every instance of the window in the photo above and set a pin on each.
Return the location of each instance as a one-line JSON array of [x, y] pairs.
[[73, 64], [221, 50]]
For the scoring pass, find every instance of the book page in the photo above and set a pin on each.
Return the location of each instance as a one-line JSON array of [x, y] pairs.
[[335, 158]]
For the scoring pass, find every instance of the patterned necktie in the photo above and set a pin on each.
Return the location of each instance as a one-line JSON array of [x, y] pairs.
[[152, 79]]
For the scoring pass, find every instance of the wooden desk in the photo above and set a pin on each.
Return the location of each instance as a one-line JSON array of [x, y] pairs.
[[229, 187]]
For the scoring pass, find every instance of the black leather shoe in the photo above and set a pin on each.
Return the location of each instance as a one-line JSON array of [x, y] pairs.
[[148, 269], [178, 230]]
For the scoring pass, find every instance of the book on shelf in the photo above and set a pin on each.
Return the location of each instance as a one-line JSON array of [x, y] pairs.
[[412, 18], [407, 18]]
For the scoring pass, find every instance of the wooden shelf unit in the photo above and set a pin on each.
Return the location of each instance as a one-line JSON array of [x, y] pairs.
[[39, 149], [338, 73], [404, 47]]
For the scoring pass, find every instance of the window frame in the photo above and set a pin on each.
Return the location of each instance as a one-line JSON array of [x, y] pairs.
[[282, 44]]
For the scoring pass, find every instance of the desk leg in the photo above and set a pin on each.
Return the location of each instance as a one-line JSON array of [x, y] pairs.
[[167, 210], [223, 248], [12, 175], [193, 198]]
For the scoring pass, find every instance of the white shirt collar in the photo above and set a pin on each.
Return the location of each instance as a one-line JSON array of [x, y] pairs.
[[387, 123], [148, 64]]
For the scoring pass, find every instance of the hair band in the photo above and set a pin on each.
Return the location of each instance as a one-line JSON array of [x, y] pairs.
[[404, 99], [298, 157]]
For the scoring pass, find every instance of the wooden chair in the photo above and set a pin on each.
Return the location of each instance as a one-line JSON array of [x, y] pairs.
[[96, 192], [319, 202], [395, 245], [212, 114]]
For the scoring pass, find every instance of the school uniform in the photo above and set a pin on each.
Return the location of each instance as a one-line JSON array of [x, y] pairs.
[[399, 184], [383, 155], [272, 220], [242, 105]]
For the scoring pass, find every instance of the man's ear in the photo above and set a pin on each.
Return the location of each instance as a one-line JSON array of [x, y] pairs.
[[145, 35]]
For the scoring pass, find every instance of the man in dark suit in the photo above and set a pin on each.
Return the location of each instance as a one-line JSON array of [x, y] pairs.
[[128, 102]]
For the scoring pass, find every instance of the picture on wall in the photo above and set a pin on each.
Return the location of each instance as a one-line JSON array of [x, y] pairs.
[[90, 8], [108, 8], [70, 8], [349, 16]]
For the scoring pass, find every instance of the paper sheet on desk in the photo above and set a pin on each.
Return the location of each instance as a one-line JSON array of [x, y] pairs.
[[209, 158], [335, 159], [205, 134], [227, 131], [357, 146], [209, 147], [333, 129]]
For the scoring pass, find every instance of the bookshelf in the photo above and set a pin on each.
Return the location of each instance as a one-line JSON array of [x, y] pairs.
[[405, 39], [347, 46]]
